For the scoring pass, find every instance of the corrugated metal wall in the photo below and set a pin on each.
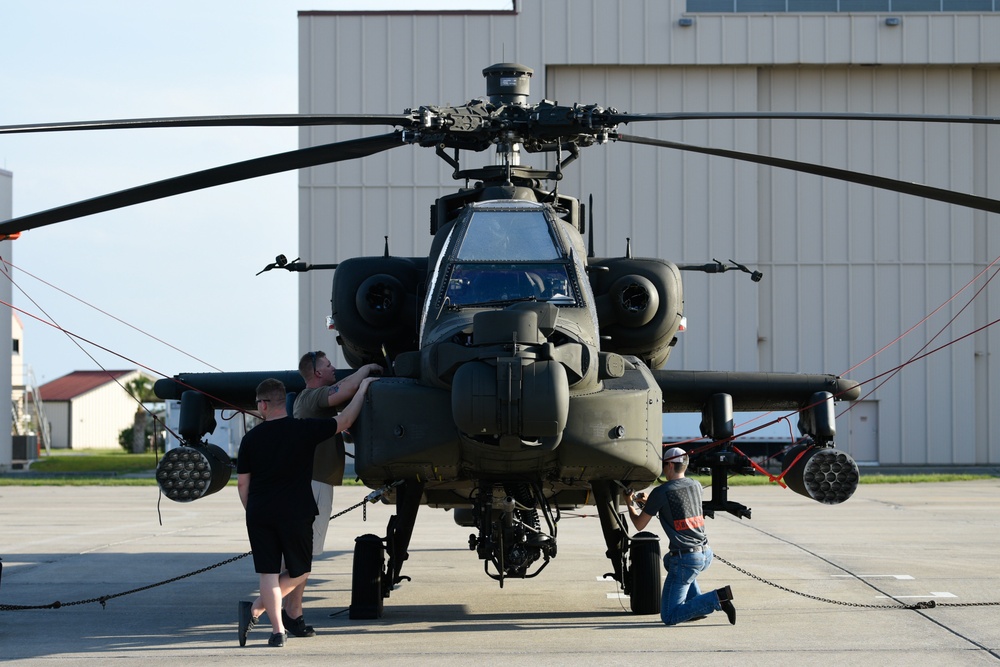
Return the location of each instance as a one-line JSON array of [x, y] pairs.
[[854, 268], [986, 142], [847, 269], [97, 417]]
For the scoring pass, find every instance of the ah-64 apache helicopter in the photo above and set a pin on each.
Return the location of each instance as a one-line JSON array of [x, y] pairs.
[[522, 374]]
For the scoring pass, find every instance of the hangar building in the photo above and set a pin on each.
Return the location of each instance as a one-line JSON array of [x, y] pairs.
[[848, 270]]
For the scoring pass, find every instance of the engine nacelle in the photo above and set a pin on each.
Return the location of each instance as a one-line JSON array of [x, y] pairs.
[[640, 304], [375, 303]]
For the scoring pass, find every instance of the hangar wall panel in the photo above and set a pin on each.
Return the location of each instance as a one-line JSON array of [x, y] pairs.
[[859, 267], [986, 143]]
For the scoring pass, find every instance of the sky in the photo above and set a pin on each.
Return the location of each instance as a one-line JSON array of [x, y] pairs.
[[167, 286]]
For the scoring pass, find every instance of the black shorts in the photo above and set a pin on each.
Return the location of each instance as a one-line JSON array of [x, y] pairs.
[[290, 540]]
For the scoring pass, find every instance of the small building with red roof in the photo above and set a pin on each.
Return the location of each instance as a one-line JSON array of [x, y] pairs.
[[88, 409]]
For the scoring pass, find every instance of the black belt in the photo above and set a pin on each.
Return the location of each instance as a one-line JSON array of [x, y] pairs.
[[692, 550]]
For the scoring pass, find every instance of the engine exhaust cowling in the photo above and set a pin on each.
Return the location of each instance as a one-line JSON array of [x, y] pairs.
[[824, 474]]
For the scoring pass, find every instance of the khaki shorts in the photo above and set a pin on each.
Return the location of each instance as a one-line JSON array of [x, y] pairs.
[[323, 494]]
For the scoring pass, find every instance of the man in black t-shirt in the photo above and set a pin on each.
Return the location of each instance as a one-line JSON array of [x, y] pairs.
[[677, 504], [274, 469]]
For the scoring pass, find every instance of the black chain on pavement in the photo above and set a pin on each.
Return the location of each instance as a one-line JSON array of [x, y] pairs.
[[372, 497], [104, 598], [926, 604]]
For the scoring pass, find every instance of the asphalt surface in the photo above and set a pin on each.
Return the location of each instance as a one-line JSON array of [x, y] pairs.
[[889, 546]]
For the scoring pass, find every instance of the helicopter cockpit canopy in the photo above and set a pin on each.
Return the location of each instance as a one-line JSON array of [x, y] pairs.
[[509, 251]]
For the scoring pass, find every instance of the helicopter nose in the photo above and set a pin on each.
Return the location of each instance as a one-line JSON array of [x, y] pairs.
[[511, 402], [509, 396]]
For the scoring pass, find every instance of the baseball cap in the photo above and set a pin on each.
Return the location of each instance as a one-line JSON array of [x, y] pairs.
[[675, 455]]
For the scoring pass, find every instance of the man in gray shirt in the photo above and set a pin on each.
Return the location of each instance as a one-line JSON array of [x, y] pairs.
[[677, 504], [322, 398]]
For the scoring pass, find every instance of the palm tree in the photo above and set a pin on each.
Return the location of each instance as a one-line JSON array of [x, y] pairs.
[[141, 389]]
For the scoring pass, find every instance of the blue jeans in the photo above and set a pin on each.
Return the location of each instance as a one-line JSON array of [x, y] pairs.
[[682, 600]]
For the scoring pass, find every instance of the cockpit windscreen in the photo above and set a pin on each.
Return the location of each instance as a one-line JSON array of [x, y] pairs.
[[497, 283], [509, 255], [508, 236]]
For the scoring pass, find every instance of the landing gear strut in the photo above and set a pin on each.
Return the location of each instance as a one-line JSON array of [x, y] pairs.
[[636, 559], [373, 578]]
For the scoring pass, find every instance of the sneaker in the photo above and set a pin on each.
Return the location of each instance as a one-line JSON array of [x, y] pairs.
[[297, 626], [246, 621], [277, 639]]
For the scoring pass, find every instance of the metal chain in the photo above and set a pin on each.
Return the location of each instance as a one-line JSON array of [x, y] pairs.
[[352, 507], [927, 604], [371, 497], [104, 598]]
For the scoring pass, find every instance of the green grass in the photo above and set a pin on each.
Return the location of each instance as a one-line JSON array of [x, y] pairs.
[[760, 480], [102, 461], [78, 481], [93, 467], [911, 479]]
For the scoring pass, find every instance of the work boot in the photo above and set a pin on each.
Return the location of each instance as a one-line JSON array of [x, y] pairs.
[[726, 602]]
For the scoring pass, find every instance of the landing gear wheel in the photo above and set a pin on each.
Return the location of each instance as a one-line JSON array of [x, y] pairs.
[[644, 555], [366, 581]]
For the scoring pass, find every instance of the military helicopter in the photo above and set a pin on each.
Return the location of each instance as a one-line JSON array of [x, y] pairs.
[[523, 376]]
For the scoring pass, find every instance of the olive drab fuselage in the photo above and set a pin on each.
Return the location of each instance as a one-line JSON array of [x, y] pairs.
[[502, 372]]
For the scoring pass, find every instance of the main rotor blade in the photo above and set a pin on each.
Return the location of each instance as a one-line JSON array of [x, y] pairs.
[[261, 120], [199, 180], [799, 115], [925, 191]]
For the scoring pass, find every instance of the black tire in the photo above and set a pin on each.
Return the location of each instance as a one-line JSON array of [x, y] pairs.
[[647, 580], [366, 579]]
